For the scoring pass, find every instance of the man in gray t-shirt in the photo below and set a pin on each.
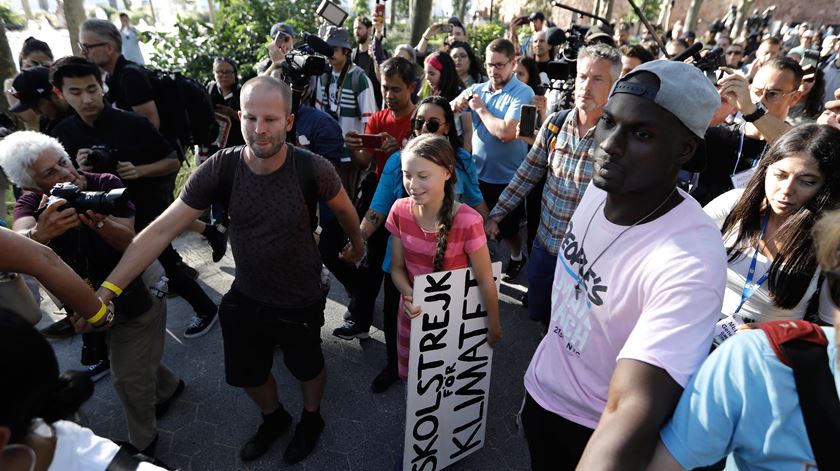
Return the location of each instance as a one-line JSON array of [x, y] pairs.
[[276, 297]]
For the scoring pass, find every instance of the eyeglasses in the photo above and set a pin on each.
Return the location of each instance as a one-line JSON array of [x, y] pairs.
[[88, 47], [497, 65], [734, 53], [223, 72], [770, 95], [432, 125]]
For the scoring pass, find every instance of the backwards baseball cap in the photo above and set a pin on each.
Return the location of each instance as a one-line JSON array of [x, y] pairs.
[[282, 28], [338, 37], [809, 33], [30, 86], [537, 15], [683, 90]]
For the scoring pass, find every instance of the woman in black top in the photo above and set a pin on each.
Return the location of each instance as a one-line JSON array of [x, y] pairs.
[[224, 91]]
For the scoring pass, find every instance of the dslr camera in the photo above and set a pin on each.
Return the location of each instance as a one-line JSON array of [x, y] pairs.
[[102, 157], [114, 202]]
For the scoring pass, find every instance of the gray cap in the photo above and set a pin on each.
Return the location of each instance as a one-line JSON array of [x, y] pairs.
[[338, 37], [683, 90]]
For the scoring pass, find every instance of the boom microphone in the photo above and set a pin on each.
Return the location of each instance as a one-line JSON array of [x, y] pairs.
[[693, 49], [317, 44], [555, 36]]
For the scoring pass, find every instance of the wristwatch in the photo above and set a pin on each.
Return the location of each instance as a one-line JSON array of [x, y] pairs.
[[760, 110]]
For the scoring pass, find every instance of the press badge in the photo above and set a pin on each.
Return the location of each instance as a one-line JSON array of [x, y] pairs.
[[727, 327], [740, 179]]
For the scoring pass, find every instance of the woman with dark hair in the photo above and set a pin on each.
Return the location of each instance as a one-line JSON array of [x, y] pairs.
[[224, 92], [469, 67], [442, 80], [433, 115], [34, 53], [527, 72], [810, 104], [766, 227], [35, 399]]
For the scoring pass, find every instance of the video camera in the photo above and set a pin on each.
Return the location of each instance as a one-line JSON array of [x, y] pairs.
[[305, 61], [114, 202]]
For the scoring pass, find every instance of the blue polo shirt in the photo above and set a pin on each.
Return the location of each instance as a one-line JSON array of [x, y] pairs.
[[742, 403], [495, 160]]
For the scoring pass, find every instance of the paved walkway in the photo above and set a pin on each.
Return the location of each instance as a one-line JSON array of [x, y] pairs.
[[204, 429]]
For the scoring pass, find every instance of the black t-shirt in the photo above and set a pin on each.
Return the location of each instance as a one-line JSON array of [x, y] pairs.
[[543, 66], [721, 147], [364, 61], [128, 137], [129, 85]]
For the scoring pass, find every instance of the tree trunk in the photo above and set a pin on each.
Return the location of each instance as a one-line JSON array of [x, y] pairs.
[[596, 10], [393, 13], [7, 63], [211, 8], [608, 9], [27, 10], [152, 10], [691, 15], [741, 18], [419, 18], [462, 11], [44, 5], [664, 14], [74, 14]]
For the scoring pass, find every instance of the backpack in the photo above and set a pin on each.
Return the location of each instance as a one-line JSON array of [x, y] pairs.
[[801, 345], [552, 128], [185, 108], [301, 162]]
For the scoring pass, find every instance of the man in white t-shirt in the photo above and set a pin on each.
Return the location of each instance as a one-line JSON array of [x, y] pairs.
[[638, 285]]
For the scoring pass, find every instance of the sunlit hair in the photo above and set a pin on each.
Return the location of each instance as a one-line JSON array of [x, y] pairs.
[[795, 264], [437, 150]]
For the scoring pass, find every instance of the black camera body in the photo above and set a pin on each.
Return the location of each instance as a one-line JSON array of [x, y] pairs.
[[114, 202], [102, 157]]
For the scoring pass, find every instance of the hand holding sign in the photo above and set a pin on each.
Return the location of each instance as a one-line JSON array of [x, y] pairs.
[[409, 307]]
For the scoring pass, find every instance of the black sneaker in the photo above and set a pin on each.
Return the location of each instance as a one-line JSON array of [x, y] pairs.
[[384, 379], [99, 370], [59, 330], [272, 427], [200, 326], [524, 299], [217, 237], [350, 331], [514, 267], [188, 270], [306, 436], [163, 407]]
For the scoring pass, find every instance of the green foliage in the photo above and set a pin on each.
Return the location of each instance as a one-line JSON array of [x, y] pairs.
[[481, 35], [360, 7], [649, 7], [240, 33], [13, 20]]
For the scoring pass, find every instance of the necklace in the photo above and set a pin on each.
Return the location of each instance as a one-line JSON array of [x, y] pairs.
[[583, 268]]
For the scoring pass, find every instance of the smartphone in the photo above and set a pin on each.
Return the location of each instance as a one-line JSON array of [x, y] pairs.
[[528, 121], [810, 58], [379, 10], [371, 141], [445, 28]]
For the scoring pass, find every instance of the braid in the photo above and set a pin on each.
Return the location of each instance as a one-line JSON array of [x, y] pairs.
[[444, 225]]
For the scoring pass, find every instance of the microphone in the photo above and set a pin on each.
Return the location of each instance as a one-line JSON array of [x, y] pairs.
[[693, 49], [317, 44], [555, 36]]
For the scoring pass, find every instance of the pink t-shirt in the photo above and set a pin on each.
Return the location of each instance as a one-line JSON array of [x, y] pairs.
[[465, 237], [653, 296]]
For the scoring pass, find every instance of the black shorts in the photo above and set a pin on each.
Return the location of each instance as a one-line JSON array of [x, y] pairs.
[[509, 225], [251, 330]]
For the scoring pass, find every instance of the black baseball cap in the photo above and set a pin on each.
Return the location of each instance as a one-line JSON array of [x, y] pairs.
[[537, 15], [30, 86]]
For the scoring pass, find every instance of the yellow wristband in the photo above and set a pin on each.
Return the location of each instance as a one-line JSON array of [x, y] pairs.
[[111, 287], [98, 316]]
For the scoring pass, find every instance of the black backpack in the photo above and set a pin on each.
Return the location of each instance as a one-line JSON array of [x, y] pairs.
[[301, 161], [185, 108]]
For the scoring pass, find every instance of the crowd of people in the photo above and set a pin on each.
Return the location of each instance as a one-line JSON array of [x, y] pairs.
[[711, 225]]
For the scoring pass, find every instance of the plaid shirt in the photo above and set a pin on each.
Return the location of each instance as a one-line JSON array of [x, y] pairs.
[[570, 160]]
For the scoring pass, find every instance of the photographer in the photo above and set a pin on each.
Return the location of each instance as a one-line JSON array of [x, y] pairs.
[[105, 139], [92, 243], [537, 20], [454, 30]]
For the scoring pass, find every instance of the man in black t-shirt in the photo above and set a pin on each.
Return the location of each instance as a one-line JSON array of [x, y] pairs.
[[104, 139], [363, 30]]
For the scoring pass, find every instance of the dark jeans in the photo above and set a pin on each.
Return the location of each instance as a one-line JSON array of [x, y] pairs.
[[533, 209], [390, 309], [369, 277], [540, 280], [555, 443], [331, 242]]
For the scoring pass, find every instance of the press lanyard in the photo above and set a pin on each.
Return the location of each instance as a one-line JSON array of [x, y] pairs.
[[740, 150], [749, 287]]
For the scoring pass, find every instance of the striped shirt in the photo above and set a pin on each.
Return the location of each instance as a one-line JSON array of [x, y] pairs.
[[465, 237], [570, 160]]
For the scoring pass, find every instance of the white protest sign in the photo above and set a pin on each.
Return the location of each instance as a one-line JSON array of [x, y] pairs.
[[448, 371]]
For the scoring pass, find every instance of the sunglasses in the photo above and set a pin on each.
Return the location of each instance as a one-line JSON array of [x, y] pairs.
[[432, 125]]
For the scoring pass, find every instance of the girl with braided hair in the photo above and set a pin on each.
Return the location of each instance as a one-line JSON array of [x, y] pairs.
[[431, 231]]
